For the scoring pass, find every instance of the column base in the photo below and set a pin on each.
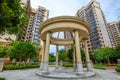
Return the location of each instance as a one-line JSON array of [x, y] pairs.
[[89, 66], [41, 66], [45, 72], [74, 66], [56, 66], [45, 69], [80, 73], [79, 67]]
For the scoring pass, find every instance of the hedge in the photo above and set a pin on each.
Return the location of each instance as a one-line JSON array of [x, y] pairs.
[[68, 65], [117, 68], [112, 64], [2, 78], [16, 67], [98, 66]]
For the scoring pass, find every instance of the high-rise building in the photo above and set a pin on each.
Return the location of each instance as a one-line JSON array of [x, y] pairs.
[[41, 15], [93, 14], [114, 33], [68, 35], [27, 4], [28, 30], [31, 32]]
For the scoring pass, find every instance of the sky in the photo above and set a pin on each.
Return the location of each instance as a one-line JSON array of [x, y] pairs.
[[111, 8]]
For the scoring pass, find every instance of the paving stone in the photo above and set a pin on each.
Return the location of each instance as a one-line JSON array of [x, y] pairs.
[[29, 74]]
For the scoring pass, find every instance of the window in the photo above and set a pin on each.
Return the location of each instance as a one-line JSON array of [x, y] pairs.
[[35, 37]]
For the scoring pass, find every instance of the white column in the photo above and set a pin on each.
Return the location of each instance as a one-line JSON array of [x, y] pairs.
[[46, 57], [56, 66], [78, 54], [89, 64], [43, 55]]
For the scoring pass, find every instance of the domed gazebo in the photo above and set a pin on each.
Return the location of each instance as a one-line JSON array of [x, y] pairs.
[[80, 30]]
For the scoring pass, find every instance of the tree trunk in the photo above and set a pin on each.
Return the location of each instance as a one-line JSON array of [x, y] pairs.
[[28, 60], [108, 61]]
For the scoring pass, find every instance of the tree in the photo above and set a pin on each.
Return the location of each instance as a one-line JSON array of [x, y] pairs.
[[104, 54], [92, 57], [62, 55], [117, 50], [3, 51], [37, 46], [12, 16], [82, 54], [52, 57], [70, 54], [22, 50]]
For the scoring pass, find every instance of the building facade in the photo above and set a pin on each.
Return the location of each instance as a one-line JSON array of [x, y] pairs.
[[93, 14], [68, 35], [28, 30], [114, 33], [6, 38], [31, 30], [41, 15]]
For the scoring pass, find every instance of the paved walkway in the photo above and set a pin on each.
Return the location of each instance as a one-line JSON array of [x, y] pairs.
[[111, 68], [29, 74]]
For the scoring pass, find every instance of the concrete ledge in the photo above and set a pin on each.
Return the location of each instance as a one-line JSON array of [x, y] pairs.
[[73, 75]]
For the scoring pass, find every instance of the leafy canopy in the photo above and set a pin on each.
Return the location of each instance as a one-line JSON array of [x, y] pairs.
[[12, 16], [117, 50], [104, 53], [62, 55], [22, 50]]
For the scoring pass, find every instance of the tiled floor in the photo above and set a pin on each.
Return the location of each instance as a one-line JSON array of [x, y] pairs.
[[29, 74]]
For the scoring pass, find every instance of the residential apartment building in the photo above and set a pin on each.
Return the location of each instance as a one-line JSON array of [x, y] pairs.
[[31, 32], [114, 33], [28, 30], [93, 14], [27, 4], [68, 35], [41, 15]]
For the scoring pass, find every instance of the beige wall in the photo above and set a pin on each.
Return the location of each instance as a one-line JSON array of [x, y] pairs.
[[103, 27], [6, 36]]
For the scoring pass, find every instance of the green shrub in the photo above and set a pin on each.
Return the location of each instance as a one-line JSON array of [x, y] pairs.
[[10, 63], [68, 65], [2, 78], [16, 67], [117, 68], [98, 66], [112, 65]]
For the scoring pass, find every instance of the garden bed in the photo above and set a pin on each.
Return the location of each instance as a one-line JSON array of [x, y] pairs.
[[21, 66], [2, 78], [117, 68]]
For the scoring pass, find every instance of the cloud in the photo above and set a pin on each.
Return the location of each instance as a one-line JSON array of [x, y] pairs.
[[110, 9], [69, 7], [60, 7]]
